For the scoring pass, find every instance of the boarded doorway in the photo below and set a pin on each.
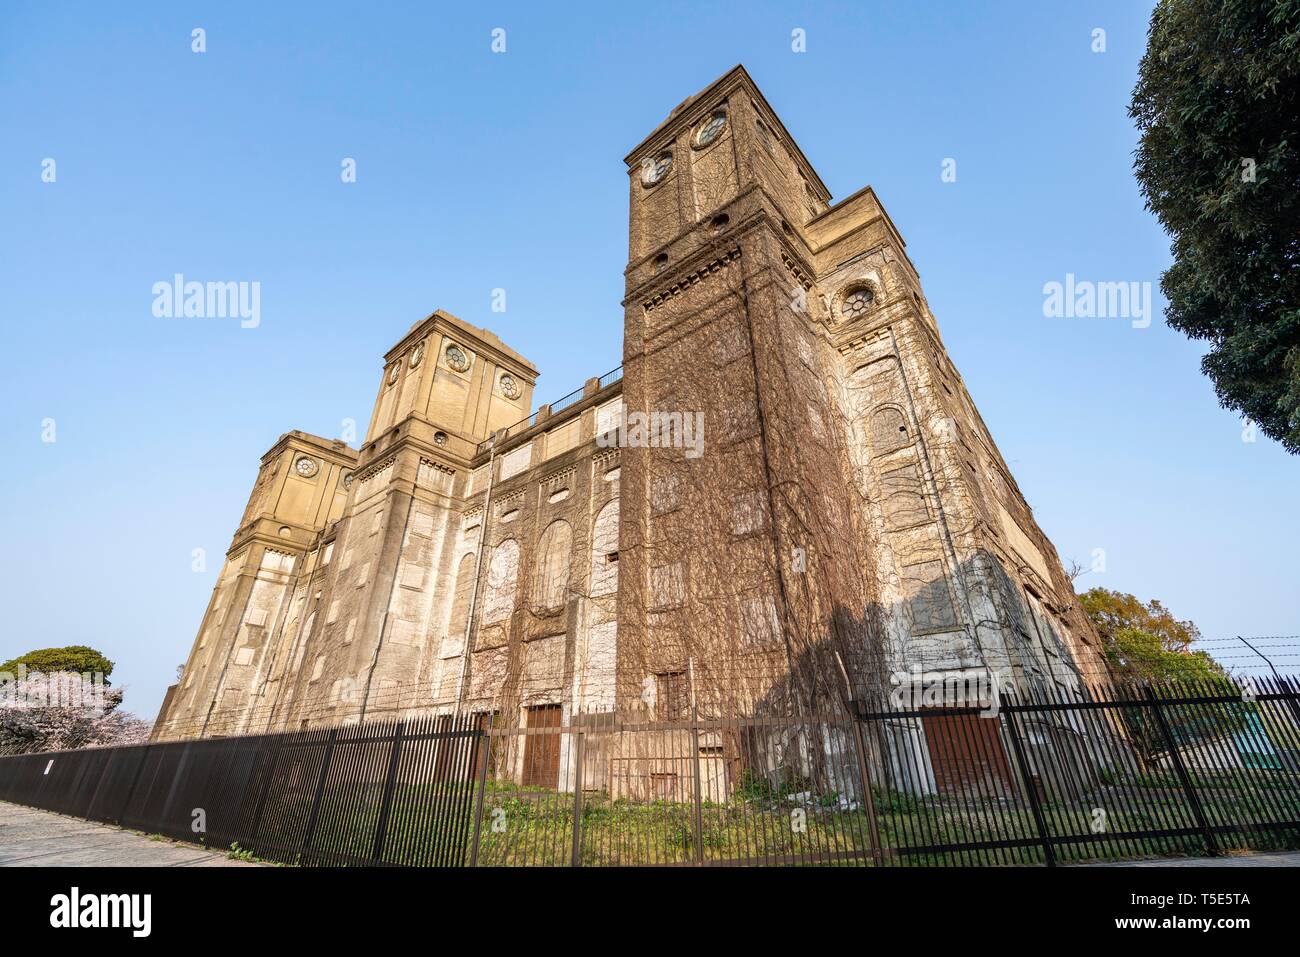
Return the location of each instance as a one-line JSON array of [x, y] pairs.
[[966, 753], [542, 748]]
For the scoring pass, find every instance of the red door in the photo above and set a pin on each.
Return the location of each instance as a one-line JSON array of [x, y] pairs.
[[542, 748], [966, 753]]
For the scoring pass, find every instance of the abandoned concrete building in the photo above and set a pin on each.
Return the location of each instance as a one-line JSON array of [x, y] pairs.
[[782, 501]]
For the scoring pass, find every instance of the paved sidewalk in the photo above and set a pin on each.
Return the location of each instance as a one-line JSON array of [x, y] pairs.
[[1266, 859], [32, 838]]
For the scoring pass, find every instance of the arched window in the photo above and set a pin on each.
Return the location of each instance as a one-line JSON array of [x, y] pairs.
[[502, 577], [551, 570], [460, 604], [604, 551], [889, 430]]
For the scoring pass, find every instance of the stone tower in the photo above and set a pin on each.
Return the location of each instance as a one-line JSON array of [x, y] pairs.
[[300, 490], [852, 519], [746, 569]]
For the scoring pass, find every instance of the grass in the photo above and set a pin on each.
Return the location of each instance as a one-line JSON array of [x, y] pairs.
[[760, 823]]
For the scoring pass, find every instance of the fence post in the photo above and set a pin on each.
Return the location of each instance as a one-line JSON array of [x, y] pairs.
[[1211, 846], [1284, 685], [320, 790], [864, 784], [577, 801], [699, 805], [485, 736], [386, 802], [1023, 763]]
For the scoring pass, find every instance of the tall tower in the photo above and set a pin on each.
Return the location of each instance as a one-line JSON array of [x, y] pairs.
[[374, 629], [745, 568], [301, 488], [850, 519]]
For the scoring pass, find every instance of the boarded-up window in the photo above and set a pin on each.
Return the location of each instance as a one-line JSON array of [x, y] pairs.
[[748, 513], [412, 575], [421, 523], [551, 571], [665, 492], [740, 419], [404, 631], [760, 624], [667, 586], [928, 597], [502, 576], [604, 551], [515, 462], [609, 416], [672, 696], [903, 505], [563, 438], [889, 430]]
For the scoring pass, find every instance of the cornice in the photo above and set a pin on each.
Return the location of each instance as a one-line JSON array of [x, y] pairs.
[[691, 110]]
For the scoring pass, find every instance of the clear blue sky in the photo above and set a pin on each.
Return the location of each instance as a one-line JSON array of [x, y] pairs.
[[479, 170]]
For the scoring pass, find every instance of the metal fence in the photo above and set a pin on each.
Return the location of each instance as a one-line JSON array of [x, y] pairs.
[[1139, 772]]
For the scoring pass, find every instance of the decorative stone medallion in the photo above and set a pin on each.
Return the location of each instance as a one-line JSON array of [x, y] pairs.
[[306, 466], [456, 358], [509, 387]]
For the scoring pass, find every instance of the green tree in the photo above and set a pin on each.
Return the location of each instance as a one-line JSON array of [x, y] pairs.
[[1112, 611], [1217, 104], [75, 658], [1145, 642], [1147, 646]]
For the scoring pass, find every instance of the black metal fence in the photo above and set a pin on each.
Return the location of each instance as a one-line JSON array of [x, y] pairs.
[[1139, 772]]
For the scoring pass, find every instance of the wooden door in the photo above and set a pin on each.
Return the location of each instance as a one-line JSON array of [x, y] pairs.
[[966, 753], [542, 750]]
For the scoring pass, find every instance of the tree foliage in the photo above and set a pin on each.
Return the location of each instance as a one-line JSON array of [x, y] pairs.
[[94, 718], [1145, 642], [79, 659], [1217, 105]]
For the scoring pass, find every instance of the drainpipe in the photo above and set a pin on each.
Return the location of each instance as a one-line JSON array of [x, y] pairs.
[[478, 573]]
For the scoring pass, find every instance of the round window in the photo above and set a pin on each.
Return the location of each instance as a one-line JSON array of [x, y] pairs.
[[711, 129], [857, 302], [653, 171]]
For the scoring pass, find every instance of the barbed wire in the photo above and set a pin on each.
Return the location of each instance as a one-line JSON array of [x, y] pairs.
[[758, 684]]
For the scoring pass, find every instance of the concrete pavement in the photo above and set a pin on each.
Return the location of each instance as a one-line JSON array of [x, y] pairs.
[[32, 838]]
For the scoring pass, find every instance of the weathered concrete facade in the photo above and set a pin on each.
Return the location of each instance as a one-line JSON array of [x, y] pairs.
[[787, 498]]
